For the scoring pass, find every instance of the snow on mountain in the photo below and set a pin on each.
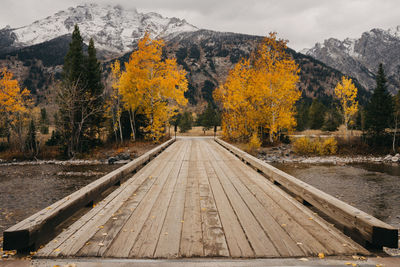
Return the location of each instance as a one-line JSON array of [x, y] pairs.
[[113, 28], [360, 57]]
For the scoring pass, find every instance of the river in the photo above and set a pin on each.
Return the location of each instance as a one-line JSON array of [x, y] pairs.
[[26, 189], [373, 188]]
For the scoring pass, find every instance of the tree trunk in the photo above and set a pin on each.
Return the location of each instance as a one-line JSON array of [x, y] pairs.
[[132, 119], [394, 134]]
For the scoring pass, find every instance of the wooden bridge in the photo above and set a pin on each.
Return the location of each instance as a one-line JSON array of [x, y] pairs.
[[198, 198]]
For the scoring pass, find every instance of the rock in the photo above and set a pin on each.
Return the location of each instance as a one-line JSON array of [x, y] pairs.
[[395, 159], [112, 160], [124, 156], [397, 155], [388, 158]]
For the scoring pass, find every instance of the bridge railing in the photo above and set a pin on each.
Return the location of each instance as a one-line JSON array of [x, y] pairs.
[[30, 233], [361, 226]]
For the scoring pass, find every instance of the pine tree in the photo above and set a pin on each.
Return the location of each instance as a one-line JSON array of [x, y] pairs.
[[185, 122], [44, 121], [209, 118], [316, 115], [379, 110], [31, 143], [94, 89], [74, 65]]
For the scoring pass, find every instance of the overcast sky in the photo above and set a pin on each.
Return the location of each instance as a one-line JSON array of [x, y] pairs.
[[302, 22]]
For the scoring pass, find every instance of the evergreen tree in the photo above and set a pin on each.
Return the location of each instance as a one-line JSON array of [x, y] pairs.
[[185, 122], [30, 142], [44, 121], [94, 90], [302, 108], [379, 110], [332, 120], [316, 115], [80, 97], [209, 118], [74, 64]]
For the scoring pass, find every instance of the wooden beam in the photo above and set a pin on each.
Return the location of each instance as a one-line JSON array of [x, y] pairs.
[[30, 233], [370, 230]]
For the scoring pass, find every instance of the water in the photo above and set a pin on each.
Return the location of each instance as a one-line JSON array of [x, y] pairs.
[[26, 189], [372, 188]]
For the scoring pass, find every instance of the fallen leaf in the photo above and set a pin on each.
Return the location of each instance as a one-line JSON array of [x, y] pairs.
[[354, 264], [87, 243], [182, 221], [284, 224], [57, 249], [104, 234], [321, 255], [101, 226], [101, 244], [310, 218], [348, 263], [299, 243], [203, 209], [115, 218], [303, 259]]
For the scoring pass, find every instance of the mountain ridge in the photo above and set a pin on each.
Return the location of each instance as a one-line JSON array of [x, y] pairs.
[[113, 28], [360, 57]]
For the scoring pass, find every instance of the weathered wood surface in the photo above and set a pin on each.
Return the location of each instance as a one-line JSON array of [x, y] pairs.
[[196, 199], [38, 228], [362, 226]]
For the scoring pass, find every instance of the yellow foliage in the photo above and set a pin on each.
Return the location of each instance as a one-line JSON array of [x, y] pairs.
[[307, 146], [329, 146], [254, 143], [304, 146], [260, 92], [14, 105], [12, 98], [346, 92], [152, 86]]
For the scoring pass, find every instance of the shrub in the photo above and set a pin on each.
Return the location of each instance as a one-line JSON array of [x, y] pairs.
[[307, 146], [254, 142], [329, 146], [303, 146]]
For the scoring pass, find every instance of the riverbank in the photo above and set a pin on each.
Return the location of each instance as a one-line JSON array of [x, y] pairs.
[[112, 154], [285, 154]]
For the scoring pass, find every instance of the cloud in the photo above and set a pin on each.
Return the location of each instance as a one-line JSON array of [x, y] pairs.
[[302, 22]]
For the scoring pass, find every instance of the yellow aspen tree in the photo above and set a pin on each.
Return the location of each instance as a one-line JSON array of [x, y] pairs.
[[346, 92], [14, 105], [152, 86], [260, 93], [114, 105]]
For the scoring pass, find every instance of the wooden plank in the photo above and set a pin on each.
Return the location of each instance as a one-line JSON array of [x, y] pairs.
[[124, 241], [101, 213], [334, 241], [168, 244], [146, 242], [38, 228], [284, 244], [365, 226], [236, 239], [286, 214], [214, 242], [191, 239], [260, 242]]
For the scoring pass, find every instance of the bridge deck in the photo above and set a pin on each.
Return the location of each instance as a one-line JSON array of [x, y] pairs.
[[196, 199]]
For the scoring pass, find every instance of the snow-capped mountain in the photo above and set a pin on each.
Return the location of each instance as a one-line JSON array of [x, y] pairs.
[[360, 57], [113, 28]]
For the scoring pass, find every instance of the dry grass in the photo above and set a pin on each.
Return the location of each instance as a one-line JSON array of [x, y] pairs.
[[340, 133], [197, 131]]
